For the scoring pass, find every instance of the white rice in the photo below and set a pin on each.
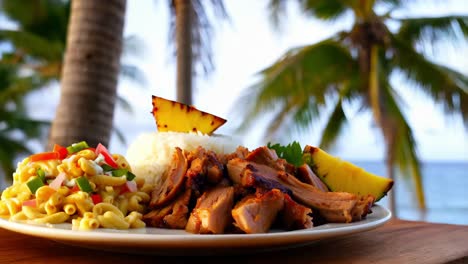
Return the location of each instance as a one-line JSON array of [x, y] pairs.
[[151, 153]]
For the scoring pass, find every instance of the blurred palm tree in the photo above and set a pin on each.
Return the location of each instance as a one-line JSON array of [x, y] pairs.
[[90, 72], [190, 34], [32, 57], [36, 45], [354, 67], [15, 125]]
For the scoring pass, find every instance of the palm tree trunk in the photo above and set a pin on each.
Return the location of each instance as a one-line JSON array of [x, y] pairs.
[[184, 12], [90, 72], [387, 128], [389, 160]]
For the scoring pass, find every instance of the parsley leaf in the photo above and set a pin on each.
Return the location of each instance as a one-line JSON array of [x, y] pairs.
[[292, 153]]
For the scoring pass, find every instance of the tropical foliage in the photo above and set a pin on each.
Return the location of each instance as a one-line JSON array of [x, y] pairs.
[[32, 52], [355, 67]]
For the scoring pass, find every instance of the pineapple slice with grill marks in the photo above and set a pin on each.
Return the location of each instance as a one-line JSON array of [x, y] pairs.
[[177, 117]]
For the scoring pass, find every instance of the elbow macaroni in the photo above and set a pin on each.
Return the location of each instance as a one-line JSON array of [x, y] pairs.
[[116, 207]]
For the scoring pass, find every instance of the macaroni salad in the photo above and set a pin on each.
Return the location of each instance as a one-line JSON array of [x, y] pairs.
[[87, 187]]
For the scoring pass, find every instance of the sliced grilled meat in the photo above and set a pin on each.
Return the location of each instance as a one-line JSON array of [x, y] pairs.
[[306, 175], [173, 181], [241, 152], [205, 170], [212, 213], [295, 216], [266, 156], [174, 215], [256, 213], [363, 207], [339, 204]]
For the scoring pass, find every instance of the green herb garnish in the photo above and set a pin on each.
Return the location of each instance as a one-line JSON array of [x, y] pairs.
[[292, 153]]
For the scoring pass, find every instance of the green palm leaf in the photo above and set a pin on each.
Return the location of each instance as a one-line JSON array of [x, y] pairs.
[[442, 84], [401, 144], [431, 29], [334, 126], [34, 45], [303, 78]]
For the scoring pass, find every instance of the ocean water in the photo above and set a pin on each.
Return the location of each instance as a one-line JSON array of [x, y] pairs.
[[446, 192]]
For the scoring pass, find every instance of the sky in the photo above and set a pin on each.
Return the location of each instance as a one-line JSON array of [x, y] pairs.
[[244, 46]]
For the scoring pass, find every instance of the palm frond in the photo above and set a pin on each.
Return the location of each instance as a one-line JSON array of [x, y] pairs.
[[11, 148], [124, 104], [304, 76], [133, 46], [120, 135], [34, 45], [334, 126], [15, 120], [431, 29], [133, 73], [20, 86], [443, 85], [401, 143], [48, 19], [277, 10], [325, 9]]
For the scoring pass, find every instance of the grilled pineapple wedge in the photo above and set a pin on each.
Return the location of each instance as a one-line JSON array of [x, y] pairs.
[[177, 117], [340, 175]]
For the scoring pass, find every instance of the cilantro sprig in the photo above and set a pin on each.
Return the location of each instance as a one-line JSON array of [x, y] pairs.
[[292, 152]]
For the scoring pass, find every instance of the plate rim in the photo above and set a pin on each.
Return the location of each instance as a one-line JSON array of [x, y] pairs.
[[149, 239]]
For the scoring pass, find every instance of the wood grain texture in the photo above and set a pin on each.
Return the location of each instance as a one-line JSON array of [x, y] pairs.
[[396, 242]]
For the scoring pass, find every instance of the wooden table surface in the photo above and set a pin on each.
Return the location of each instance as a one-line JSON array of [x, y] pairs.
[[395, 242]]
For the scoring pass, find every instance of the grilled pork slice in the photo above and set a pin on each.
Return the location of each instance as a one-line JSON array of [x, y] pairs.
[[241, 152], [174, 215], [173, 181], [266, 156], [256, 214], [206, 163], [363, 207], [306, 175], [340, 204], [212, 213], [295, 216]]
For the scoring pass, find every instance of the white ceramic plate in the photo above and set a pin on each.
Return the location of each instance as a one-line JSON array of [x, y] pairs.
[[178, 242]]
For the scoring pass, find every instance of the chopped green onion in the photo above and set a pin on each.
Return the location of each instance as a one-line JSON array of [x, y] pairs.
[[83, 184], [41, 174], [35, 184], [75, 147], [123, 172], [106, 167], [130, 176]]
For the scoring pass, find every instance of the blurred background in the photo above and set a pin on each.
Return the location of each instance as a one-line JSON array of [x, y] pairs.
[[382, 84]]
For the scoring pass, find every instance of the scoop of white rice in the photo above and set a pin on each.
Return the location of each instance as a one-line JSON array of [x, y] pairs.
[[151, 153]]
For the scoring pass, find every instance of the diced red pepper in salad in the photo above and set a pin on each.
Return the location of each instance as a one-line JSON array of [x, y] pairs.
[[96, 198], [61, 150], [74, 189], [44, 156], [100, 149]]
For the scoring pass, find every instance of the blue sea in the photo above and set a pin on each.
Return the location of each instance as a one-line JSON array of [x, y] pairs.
[[446, 192], [445, 186]]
